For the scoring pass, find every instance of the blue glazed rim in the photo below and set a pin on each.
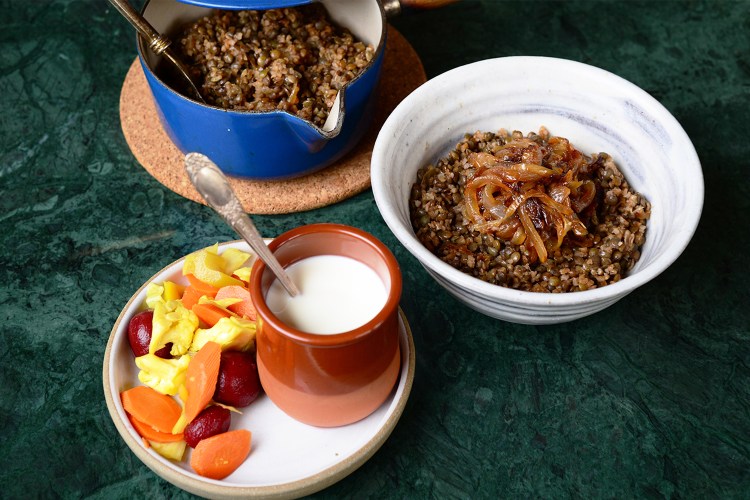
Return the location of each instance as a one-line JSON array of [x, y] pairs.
[[246, 4]]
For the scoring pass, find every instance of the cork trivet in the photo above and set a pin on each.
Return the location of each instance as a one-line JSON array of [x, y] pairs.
[[402, 73]]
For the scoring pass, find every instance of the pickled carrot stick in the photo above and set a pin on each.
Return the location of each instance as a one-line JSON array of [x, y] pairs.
[[146, 431], [200, 383], [244, 308], [218, 456], [151, 407], [209, 313]]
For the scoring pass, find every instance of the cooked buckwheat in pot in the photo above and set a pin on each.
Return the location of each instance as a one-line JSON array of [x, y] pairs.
[[529, 212], [292, 59]]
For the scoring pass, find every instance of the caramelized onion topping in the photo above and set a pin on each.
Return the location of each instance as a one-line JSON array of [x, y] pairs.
[[531, 193]]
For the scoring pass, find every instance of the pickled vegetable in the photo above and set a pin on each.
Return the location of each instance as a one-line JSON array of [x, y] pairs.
[[238, 384], [211, 421], [216, 270], [140, 329]]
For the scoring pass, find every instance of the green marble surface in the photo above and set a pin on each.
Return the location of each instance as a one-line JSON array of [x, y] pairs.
[[649, 399]]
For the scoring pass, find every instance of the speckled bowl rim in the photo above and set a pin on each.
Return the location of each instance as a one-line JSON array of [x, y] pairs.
[[470, 285], [293, 489]]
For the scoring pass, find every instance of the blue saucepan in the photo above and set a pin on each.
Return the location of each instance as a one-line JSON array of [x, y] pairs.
[[267, 145]]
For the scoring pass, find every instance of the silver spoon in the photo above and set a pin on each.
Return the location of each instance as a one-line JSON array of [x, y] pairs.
[[214, 187], [159, 44]]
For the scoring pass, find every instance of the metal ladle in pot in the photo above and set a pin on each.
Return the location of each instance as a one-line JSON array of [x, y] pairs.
[[214, 187], [159, 44]]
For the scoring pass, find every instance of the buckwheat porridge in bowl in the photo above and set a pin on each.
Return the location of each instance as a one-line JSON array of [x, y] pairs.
[[529, 225], [529, 212]]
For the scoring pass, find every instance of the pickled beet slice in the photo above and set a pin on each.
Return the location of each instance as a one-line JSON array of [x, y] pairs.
[[140, 330], [211, 421], [238, 384]]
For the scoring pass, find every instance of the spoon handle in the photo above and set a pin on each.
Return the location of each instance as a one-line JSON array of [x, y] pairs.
[[214, 187], [157, 43]]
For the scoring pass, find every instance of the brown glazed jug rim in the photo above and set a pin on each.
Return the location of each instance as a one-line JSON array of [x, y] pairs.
[[336, 339]]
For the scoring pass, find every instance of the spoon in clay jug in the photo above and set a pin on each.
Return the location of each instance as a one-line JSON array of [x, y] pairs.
[[159, 44], [214, 187]]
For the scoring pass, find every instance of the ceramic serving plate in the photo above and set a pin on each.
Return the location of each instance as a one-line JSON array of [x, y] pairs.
[[288, 459]]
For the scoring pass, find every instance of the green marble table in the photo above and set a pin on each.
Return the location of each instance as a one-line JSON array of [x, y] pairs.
[[649, 399]]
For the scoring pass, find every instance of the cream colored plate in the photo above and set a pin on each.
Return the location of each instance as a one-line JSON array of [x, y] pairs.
[[288, 459]]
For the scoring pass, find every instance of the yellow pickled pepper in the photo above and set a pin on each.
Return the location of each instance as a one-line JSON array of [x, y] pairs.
[[210, 267]]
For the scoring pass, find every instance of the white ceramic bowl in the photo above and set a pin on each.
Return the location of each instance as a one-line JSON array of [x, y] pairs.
[[597, 111]]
